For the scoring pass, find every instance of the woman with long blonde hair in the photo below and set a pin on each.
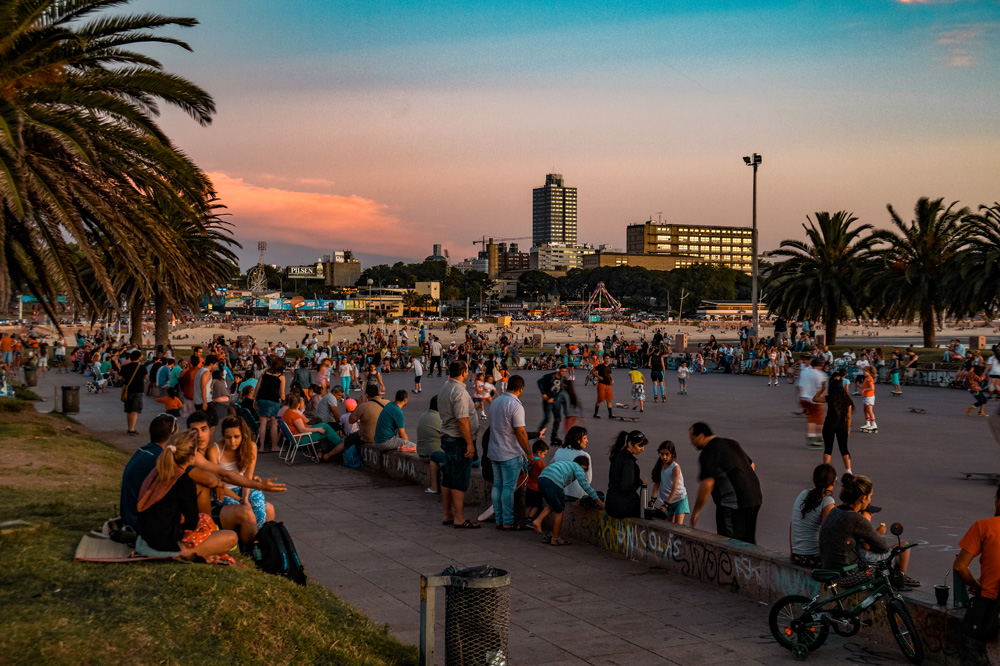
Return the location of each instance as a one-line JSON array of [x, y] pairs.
[[169, 521]]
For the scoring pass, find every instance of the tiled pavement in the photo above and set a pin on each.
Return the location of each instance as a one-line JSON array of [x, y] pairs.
[[368, 539]]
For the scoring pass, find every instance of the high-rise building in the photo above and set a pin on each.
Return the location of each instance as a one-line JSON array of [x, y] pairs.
[[688, 243], [553, 212]]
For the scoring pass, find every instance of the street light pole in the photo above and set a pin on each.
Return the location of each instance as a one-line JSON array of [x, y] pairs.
[[754, 162], [368, 304]]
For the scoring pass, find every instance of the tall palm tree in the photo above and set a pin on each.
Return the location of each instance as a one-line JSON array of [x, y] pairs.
[[918, 264], [80, 152], [821, 278], [977, 280]]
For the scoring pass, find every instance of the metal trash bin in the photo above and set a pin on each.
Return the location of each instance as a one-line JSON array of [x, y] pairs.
[[31, 376], [70, 399], [477, 616]]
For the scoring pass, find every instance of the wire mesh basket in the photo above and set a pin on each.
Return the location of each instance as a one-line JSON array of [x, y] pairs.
[[477, 616]]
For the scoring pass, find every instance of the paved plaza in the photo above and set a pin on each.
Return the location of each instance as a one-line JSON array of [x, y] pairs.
[[368, 539]]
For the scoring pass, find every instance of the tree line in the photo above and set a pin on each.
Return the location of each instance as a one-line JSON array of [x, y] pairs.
[[943, 262]]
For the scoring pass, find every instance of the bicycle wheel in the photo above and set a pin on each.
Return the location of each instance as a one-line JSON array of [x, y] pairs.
[[790, 378], [905, 631], [790, 609]]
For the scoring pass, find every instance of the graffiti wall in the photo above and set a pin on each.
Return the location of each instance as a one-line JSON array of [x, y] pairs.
[[748, 570]]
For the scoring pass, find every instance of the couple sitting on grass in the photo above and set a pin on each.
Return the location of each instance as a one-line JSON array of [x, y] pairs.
[[188, 498]]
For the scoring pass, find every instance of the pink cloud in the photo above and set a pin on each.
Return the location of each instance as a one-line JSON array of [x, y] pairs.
[[311, 219], [963, 44]]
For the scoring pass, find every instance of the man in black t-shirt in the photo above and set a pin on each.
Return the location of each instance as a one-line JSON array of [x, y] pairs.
[[134, 374], [728, 475]]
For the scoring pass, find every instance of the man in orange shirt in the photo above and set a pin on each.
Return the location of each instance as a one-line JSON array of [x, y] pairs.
[[6, 349], [982, 541]]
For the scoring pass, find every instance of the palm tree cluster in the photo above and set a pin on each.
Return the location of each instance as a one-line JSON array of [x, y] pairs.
[[96, 203], [943, 262]]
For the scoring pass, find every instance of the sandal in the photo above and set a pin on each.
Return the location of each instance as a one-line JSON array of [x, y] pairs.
[[559, 542], [447, 522], [467, 525]]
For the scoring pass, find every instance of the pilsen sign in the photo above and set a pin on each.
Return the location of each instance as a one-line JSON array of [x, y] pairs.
[[310, 272]]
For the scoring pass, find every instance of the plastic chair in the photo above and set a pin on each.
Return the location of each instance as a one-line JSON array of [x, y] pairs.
[[294, 443]]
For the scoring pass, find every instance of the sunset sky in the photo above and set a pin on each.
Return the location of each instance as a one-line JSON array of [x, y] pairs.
[[384, 127]]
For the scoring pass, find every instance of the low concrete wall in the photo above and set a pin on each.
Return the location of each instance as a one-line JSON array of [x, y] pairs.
[[751, 571]]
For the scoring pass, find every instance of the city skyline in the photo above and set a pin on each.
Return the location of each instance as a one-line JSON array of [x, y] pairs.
[[385, 128]]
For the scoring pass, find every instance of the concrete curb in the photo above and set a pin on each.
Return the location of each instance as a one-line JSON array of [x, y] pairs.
[[749, 570]]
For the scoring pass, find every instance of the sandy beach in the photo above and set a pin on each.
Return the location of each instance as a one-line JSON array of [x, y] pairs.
[[185, 335]]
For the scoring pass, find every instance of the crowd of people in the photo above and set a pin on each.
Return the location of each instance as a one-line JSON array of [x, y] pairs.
[[193, 492]]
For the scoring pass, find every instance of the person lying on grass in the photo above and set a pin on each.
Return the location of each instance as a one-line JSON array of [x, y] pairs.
[[240, 517], [170, 523], [238, 452], [551, 484]]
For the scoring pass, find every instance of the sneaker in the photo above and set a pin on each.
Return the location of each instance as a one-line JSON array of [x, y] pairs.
[[597, 416], [432, 492]]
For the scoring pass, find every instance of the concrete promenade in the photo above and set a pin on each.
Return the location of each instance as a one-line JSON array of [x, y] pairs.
[[368, 539]]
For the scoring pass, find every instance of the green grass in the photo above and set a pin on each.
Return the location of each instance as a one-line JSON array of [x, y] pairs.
[[64, 483]]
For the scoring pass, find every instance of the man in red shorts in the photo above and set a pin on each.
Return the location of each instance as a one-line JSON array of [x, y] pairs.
[[810, 381], [602, 374]]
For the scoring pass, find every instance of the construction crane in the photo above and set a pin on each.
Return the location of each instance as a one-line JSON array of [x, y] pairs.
[[484, 241], [490, 248]]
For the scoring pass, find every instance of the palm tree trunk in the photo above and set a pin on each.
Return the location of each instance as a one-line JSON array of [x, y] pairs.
[[831, 329], [161, 314], [927, 323], [135, 314], [830, 314]]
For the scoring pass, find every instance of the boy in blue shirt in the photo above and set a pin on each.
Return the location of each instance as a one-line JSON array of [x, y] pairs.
[[551, 484]]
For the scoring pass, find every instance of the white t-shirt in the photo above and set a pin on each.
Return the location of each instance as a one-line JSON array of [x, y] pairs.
[[809, 382], [993, 366], [418, 367], [279, 351], [805, 530], [506, 414], [436, 348], [683, 372], [349, 427]]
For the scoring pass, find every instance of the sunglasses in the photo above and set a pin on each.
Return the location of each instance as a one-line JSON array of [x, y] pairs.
[[636, 438]]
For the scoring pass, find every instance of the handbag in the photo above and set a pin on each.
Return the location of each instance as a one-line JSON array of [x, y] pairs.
[[126, 385], [980, 621]]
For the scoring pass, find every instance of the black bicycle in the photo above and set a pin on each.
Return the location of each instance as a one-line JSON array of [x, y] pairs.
[[802, 625]]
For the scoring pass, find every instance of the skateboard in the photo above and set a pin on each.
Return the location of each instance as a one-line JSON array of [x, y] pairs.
[[986, 476], [917, 410], [627, 419]]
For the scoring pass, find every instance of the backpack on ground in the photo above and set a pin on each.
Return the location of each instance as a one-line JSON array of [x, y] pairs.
[[352, 451], [273, 552]]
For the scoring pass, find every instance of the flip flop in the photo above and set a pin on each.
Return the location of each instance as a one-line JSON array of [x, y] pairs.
[[467, 525], [559, 542], [447, 522]]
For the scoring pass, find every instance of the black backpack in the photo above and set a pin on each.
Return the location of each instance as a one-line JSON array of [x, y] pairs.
[[274, 553]]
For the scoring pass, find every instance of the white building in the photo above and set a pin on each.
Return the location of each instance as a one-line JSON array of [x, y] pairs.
[[558, 256]]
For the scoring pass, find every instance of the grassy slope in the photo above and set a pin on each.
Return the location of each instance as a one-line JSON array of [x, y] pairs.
[[56, 611]]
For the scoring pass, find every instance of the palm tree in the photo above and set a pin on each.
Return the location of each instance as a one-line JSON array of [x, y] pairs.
[[821, 278], [919, 264], [80, 154], [977, 282]]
